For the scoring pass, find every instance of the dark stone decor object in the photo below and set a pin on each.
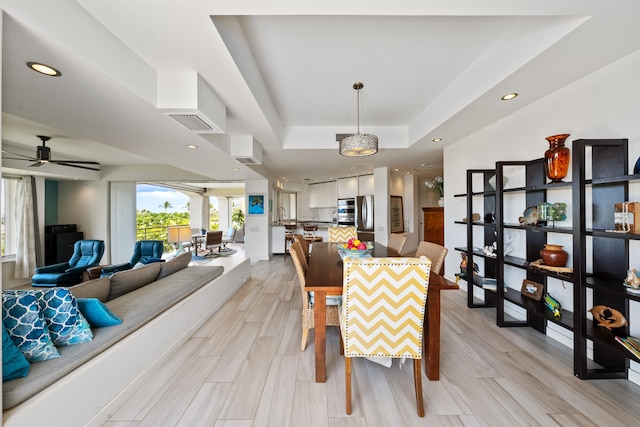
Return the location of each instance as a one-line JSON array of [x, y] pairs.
[[556, 158]]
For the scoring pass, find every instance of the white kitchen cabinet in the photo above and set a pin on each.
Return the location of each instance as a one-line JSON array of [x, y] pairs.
[[347, 187], [323, 195], [365, 185], [277, 239]]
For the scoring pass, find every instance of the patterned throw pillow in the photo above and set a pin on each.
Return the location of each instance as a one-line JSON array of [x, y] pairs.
[[23, 320], [66, 324]]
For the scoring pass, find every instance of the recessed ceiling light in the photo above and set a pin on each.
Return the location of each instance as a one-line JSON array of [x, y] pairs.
[[192, 146], [44, 69], [437, 139], [396, 170], [236, 169], [509, 96]]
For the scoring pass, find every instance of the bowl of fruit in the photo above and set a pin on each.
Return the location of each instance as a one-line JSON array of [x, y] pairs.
[[354, 248]]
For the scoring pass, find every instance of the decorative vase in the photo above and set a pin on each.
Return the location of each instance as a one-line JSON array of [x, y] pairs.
[[554, 255], [441, 202], [556, 158]]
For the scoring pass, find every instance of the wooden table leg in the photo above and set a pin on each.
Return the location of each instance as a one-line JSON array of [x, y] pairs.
[[320, 334], [431, 342]]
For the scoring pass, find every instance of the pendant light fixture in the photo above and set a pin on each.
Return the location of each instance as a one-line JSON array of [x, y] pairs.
[[360, 144]]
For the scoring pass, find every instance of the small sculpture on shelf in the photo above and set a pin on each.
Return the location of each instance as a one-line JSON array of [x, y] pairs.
[[608, 317], [632, 281], [475, 217], [463, 268], [529, 216], [553, 305], [552, 212]]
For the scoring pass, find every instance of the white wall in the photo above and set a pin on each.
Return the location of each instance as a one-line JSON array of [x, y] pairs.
[[258, 227], [601, 105], [85, 203], [122, 233]]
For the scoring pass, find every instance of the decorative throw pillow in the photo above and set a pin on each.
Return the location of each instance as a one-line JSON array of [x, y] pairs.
[[14, 364], [24, 321], [66, 324], [124, 282], [176, 263], [97, 313], [96, 288]]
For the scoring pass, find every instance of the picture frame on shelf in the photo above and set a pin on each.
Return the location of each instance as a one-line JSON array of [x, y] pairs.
[[255, 204], [397, 214], [531, 289]]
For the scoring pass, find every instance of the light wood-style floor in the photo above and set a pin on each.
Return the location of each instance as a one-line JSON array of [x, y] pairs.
[[244, 368]]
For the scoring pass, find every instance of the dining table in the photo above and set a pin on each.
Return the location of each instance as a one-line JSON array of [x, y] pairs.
[[324, 277]]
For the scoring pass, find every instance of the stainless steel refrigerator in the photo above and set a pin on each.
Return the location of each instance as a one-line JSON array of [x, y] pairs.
[[364, 218]]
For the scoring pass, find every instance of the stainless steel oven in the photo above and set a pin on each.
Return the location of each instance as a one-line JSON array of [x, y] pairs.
[[347, 211]]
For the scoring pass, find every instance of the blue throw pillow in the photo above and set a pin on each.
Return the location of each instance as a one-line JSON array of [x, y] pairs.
[[23, 319], [14, 364], [97, 313], [66, 324]]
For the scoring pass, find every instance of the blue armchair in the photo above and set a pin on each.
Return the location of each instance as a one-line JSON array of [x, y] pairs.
[[144, 251], [86, 253]]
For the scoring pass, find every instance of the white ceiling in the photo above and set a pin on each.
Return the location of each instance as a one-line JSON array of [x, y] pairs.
[[285, 70]]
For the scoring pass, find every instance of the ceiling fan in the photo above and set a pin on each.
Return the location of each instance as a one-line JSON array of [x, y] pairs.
[[43, 156]]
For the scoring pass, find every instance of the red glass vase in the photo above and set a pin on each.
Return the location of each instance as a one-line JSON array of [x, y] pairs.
[[556, 158]]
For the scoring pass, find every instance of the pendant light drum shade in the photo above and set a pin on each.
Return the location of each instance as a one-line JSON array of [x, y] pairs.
[[359, 144]]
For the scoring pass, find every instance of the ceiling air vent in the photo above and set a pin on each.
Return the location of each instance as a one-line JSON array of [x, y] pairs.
[[247, 160], [195, 122], [246, 150]]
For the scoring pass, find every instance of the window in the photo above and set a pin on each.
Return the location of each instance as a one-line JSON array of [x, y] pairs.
[[7, 208]]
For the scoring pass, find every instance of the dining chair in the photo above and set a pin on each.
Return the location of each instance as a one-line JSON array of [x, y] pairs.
[[382, 317], [332, 318], [396, 242], [435, 252], [304, 243], [342, 234]]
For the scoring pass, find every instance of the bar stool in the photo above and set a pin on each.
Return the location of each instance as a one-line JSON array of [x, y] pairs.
[[289, 231], [309, 233]]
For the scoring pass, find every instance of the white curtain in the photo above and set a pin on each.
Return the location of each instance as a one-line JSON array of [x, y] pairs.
[[25, 221]]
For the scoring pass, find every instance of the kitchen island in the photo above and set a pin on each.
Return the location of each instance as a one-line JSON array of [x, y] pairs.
[[278, 233]]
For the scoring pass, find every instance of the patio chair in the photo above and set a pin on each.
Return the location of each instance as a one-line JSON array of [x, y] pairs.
[[213, 242], [382, 318], [229, 237]]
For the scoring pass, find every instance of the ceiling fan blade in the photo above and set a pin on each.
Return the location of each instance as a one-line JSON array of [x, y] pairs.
[[74, 161], [22, 156], [59, 162]]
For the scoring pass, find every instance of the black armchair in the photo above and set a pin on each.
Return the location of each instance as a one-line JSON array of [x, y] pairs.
[[86, 253]]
